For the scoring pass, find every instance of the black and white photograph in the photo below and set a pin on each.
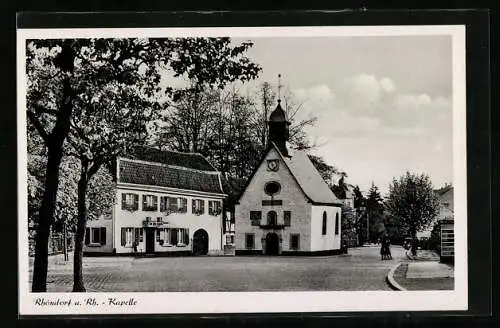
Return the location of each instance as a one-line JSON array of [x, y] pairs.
[[273, 169]]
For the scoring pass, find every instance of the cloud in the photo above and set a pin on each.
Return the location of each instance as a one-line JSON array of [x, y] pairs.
[[366, 89], [320, 93], [387, 85]]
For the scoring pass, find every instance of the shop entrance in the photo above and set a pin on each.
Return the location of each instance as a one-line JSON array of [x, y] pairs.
[[150, 240]]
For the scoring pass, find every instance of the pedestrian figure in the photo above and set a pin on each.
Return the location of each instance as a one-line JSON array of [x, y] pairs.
[[344, 247], [383, 250], [388, 249]]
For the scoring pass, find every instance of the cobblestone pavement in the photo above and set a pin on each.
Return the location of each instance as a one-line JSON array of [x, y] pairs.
[[361, 269]]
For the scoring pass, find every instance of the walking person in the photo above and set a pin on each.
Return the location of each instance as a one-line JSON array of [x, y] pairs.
[[383, 250], [388, 250]]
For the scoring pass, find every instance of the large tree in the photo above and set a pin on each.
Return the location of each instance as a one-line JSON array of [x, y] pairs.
[[226, 126], [375, 212], [63, 74], [413, 202]]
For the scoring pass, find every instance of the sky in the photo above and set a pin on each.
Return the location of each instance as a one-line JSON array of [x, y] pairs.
[[383, 104]]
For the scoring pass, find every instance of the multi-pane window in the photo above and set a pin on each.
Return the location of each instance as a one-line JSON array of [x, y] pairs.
[[249, 241], [198, 206], [95, 236], [130, 202], [294, 242], [183, 236], [173, 237], [287, 218], [127, 237], [163, 236], [323, 227], [214, 207], [149, 203], [173, 204], [337, 223], [138, 235], [255, 217], [131, 235]]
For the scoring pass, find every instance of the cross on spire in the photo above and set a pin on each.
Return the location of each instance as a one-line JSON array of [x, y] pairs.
[[279, 87]]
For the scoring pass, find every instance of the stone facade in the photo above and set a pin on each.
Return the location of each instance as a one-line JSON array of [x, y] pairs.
[[293, 200], [306, 219]]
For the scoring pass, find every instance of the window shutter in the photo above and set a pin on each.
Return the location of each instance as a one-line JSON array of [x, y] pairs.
[[155, 202], [87, 236], [124, 236], [186, 236], [136, 235], [173, 236], [193, 206], [184, 204], [144, 204], [202, 206], [136, 202], [124, 201], [103, 236]]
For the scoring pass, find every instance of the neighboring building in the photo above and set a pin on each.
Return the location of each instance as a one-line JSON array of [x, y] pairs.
[[167, 202], [446, 224], [286, 207], [233, 188], [445, 196]]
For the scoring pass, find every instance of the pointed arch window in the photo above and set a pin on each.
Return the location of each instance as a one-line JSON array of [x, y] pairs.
[[336, 223], [323, 228]]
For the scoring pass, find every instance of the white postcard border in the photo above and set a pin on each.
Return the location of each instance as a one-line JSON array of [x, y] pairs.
[[251, 302]]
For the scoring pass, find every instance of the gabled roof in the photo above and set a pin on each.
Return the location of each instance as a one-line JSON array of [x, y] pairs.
[[188, 160], [305, 174], [166, 169], [308, 178]]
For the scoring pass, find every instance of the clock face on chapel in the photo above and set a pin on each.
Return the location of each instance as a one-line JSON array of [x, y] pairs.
[[272, 165]]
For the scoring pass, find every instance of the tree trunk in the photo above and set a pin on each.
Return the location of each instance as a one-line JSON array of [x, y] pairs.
[[47, 208], [413, 241], [45, 220], [78, 285]]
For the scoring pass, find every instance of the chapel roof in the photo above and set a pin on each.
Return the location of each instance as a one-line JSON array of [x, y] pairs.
[[308, 178]]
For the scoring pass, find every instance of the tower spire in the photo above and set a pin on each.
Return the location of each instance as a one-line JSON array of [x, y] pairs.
[[279, 87]]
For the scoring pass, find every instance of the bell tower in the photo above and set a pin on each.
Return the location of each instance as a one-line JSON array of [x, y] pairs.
[[279, 128]]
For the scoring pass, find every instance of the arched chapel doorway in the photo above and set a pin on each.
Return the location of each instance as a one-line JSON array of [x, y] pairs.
[[272, 244]]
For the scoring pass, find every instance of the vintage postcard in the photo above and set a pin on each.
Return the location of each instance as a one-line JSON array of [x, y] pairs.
[[238, 170]]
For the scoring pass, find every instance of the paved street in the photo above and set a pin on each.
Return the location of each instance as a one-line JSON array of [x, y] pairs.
[[361, 269]]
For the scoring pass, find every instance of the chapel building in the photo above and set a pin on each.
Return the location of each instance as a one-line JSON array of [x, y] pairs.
[[286, 207]]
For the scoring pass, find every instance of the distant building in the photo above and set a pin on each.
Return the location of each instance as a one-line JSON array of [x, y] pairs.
[[445, 197], [286, 207], [167, 202], [446, 222]]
